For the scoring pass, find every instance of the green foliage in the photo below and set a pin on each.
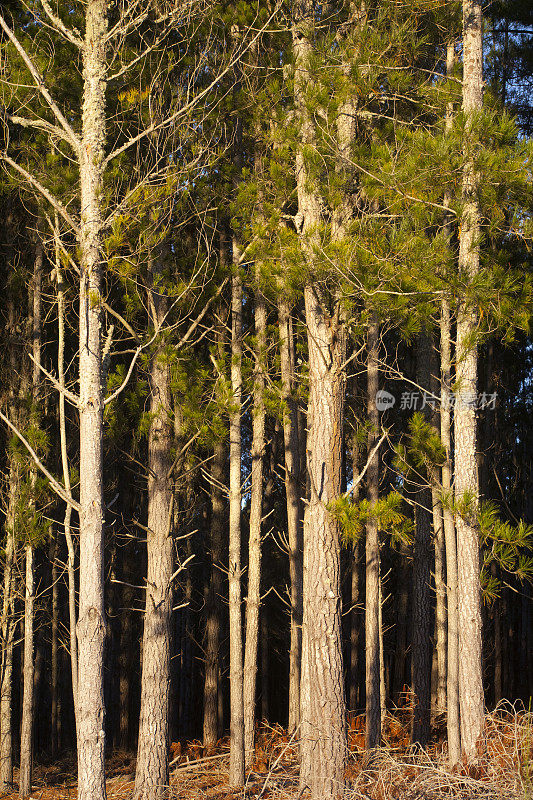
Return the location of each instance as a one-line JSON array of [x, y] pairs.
[[387, 512], [510, 546], [420, 451]]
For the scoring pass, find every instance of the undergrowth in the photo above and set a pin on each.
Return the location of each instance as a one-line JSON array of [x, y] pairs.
[[502, 771]]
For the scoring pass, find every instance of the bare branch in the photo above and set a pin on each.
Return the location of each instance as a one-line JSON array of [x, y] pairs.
[[195, 100], [71, 397], [58, 489], [128, 374], [38, 124], [39, 82], [60, 26], [61, 210]]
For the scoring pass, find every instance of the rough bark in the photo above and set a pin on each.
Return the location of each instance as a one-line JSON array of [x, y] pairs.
[[91, 623], [294, 509], [151, 776], [253, 599], [421, 640], [322, 703], [465, 425], [213, 623], [236, 769], [372, 672]]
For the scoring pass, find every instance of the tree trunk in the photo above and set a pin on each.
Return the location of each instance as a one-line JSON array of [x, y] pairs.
[[372, 679], [382, 681], [8, 633], [256, 513], [322, 703], [421, 640], [265, 655], [402, 616], [236, 769], [151, 776], [452, 680], [355, 626], [355, 588], [91, 623], [66, 472], [294, 510], [55, 709], [28, 704], [26, 736], [497, 614], [466, 475], [212, 654]]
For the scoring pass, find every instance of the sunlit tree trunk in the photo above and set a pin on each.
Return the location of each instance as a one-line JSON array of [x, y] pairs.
[[236, 771], [465, 426], [452, 677], [373, 694], [91, 625]]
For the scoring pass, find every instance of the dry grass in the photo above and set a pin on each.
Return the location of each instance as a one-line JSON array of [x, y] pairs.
[[503, 770]]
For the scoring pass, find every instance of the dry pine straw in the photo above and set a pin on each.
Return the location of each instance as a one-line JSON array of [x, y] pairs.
[[395, 772]]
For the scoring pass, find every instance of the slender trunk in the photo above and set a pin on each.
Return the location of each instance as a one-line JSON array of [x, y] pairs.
[[256, 512], [124, 666], [355, 626], [465, 429], [373, 694], [187, 632], [452, 682], [8, 632], [212, 654], [151, 776], [66, 473], [452, 678], [213, 695], [382, 682], [294, 511], [497, 614], [54, 677], [265, 683], [91, 622], [402, 616], [236, 770], [421, 644], [26, 736], [441, 624]]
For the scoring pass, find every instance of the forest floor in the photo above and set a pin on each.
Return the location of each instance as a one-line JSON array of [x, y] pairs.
[[503, 772]]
